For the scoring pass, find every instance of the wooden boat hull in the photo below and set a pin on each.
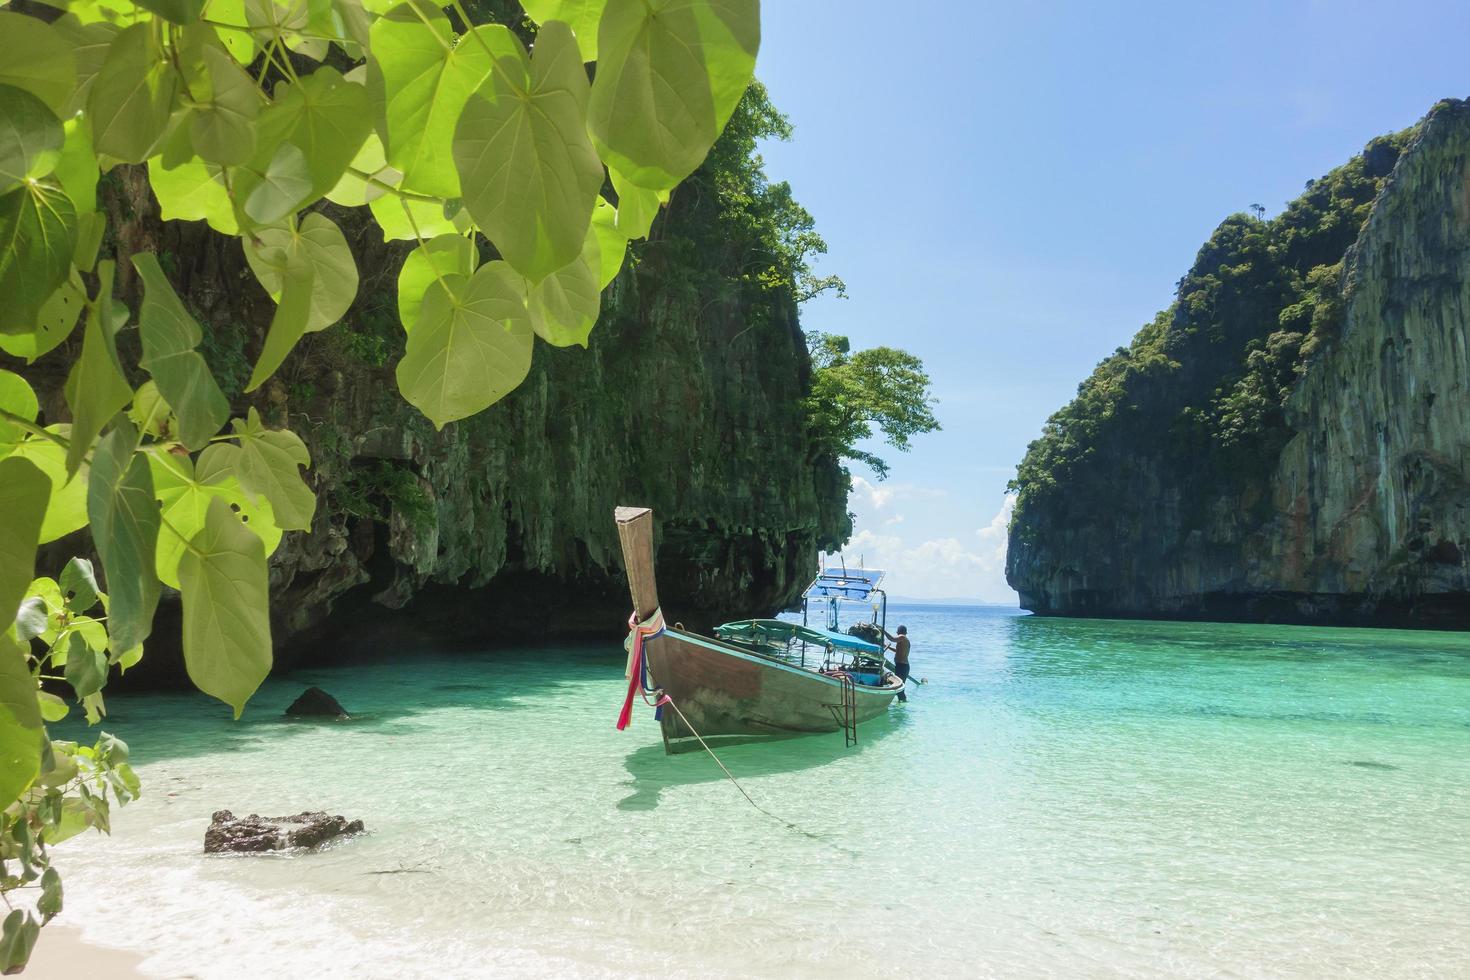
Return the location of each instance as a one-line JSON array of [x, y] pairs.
[[723, 690]]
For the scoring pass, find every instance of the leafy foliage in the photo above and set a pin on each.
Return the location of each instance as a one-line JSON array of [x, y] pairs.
[[853, 392], [1204, 386], [448, 129]]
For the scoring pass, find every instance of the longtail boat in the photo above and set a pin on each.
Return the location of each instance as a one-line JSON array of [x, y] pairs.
[[756, 676]]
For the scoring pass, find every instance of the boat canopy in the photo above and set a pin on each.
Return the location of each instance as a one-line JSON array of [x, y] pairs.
[[779, 631], [856, 584]]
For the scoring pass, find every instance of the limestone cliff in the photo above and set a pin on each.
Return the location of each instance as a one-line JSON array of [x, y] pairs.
[[1291, 440]]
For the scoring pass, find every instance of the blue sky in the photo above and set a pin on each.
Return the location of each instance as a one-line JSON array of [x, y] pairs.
[[1010, 191]]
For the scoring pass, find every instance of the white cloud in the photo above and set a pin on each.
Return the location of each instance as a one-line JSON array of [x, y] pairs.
[[874, 496], [941, 567]]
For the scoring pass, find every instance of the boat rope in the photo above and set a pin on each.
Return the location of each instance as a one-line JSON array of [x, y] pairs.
[[664, 699]]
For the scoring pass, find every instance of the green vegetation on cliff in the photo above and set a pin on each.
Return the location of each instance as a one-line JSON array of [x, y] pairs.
[[1203, 386]]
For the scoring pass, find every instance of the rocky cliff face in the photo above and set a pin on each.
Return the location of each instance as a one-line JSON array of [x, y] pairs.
[[1260, 470], [499, 528]]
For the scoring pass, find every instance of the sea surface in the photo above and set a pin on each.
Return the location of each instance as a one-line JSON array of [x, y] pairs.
[[1064, 798]]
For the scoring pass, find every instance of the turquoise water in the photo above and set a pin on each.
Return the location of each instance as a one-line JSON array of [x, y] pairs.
[[1061, 797]]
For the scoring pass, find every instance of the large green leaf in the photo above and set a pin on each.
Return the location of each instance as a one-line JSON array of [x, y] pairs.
[[38, 227], [287, 324], [441, 257], [24, 493], [124, 519], [223, 130], [315, 247], [21, 731], [170, 338], [184, 492], [132, 96], [95, 389], [30, 138], [266, 461], [192, 191], [581, 15], [36, 58], [529, 172], [227, 630], [420, 78], [564, 305], [68, 508], [324, 116], [669, 74], [470, 346]]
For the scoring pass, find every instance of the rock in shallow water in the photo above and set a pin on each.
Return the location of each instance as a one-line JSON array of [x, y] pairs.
[[316, 703], [255, 833]]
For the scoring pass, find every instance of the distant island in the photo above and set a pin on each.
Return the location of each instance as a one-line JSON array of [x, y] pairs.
[[1290, 440]]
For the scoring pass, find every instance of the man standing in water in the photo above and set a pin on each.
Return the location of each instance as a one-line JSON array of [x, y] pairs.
[[900, 650]]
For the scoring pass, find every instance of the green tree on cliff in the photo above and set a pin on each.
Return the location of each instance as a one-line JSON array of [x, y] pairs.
[[853, 392]]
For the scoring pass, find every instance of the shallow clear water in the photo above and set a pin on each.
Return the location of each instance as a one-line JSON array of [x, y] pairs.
[[1063, 797]]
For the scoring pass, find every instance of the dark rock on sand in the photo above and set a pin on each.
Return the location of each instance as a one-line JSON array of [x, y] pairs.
[[316, 703], [255, 833]]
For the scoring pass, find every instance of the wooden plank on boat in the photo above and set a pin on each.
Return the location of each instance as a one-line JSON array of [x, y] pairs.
[[635, 533]]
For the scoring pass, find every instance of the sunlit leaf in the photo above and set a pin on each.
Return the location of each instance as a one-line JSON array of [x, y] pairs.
[[637, 207], [393, 217], [529, 172], [68, 508], [444, 256], [581, 15], [36, 58], [564, 305], [227, 634], [470, 346], [669, 74], [132, 96], [420, 78], [24, 493], [76, 167], [17, 398], [30, 138], [124, 518], [52, 325], [612, 244], [352, 190], [184, 492], [170, 338], [316, 248], [192, 191], [38, 227], [231, 13], [95, 389]]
